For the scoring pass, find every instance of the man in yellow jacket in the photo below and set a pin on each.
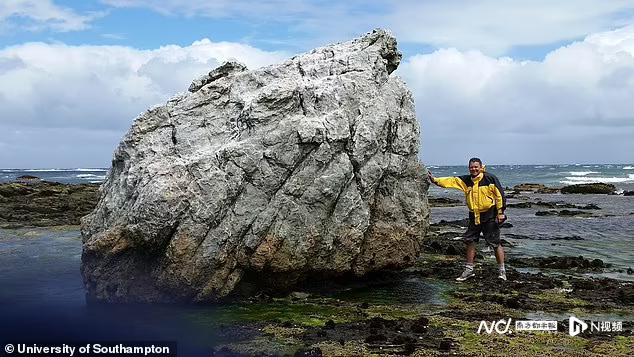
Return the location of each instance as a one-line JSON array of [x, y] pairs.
[[486, 202]]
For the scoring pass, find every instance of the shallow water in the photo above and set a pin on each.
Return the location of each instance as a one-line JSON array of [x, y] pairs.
[[42, 299]]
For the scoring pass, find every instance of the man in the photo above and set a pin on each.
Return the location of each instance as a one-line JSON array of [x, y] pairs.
[[486, 202]]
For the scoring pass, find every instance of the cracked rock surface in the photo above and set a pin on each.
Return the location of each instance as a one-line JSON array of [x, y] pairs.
[[262, 179]]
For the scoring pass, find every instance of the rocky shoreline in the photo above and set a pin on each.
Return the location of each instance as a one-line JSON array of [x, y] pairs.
[[320, 320], [307, 324]]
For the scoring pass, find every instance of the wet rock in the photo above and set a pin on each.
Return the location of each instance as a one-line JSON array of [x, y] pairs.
[[28, 179], [312, 352], [443, 202], [542, 237], [441, 245], [528, 187], [446, 344], [630, 271], [459, 223], [297, 295], [42, 204], [546, 213], [562, 213], [376, 338], [558, 204], [556, 262], [420, 325], [329, 325], [263, 178], [520, 205], [506, 225], [569, 213], [628, 193], [590, 206], [589, 188], [534, 187]]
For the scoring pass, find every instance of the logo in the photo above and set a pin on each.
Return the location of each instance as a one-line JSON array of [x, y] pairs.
[[576, 326], [501, 326]]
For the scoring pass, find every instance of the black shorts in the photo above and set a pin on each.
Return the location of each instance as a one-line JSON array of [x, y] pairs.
[[489, 229]]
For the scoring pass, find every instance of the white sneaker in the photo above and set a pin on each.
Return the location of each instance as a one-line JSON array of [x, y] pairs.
[[502, 275], [466, 274]]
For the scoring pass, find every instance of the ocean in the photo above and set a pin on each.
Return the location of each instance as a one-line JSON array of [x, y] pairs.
[[620, 175], [42, 296]]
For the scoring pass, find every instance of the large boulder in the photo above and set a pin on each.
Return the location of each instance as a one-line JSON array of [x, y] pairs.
[[261, 179]]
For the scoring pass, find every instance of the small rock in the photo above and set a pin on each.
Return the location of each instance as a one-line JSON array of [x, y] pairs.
[[297, 295], [568, 213], [312, 352], [630, 271], [420, 325], [546, 213], [446, 344], [597, 263], [374, 338], [329, 325], [590, 206], [520, 205]]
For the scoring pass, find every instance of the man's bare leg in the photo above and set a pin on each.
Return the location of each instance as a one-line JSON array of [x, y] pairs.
[[471, 252], [468, 272], [499, 256]]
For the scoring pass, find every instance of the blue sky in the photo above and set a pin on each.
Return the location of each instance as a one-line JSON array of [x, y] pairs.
[[510, 81]]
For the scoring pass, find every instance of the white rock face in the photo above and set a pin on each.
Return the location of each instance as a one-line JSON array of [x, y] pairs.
[[261, 179]]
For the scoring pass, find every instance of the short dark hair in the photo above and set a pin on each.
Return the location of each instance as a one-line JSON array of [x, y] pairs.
[[475, 159]]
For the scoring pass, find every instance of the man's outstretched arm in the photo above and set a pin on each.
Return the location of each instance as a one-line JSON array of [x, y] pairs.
[[448, 182]]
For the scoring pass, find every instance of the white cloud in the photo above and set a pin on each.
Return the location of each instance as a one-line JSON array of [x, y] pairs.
[[42, 14], [56, 87], [466, 99], [494, 26], [490, 26]]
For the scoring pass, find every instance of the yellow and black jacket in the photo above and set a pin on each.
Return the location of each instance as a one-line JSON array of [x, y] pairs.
[[484, 193]]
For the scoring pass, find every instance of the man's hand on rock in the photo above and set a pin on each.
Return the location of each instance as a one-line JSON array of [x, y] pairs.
[[501, 218], [430, 176]]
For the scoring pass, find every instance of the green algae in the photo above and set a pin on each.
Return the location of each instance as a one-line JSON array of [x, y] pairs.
[[560, 298], [312, 314]]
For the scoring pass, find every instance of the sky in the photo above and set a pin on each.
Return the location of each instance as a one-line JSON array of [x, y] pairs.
[[511, 82]]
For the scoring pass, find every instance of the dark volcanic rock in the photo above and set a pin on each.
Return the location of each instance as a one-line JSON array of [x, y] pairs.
[[520, 205], [563, 213], [598, 188], [556, 262], [546, 213], [534, 187], [262, 179], [557, 204], [628, 193], [28, 179], [42, 203], [443, 202]]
